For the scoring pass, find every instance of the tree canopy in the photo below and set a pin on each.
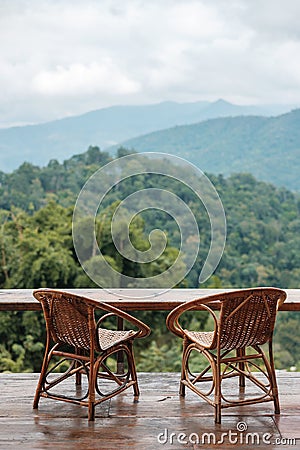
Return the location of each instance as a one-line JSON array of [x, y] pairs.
[[36, 249]]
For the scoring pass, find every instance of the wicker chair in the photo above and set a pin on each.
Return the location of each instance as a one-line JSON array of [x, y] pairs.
[[80, 345], [246, 322]]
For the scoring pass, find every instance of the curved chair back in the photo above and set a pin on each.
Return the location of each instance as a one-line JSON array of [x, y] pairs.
[[248, 317], [69, 319]]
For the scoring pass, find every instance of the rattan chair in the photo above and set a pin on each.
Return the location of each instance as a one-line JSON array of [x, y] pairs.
[[245, 322], [82, 346]]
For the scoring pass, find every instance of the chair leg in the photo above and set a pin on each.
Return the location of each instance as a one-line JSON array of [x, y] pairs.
[[77, 365], [273, 381], [218, 413], [270, 367], [276, 401], [38, 391], [216, 367], [44, 368], [240, 353], [132, 370], [182, 389], [92, 387], [91, 412], [183, 367]]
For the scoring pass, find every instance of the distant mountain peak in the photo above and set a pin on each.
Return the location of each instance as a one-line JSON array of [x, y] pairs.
[[222, 102]]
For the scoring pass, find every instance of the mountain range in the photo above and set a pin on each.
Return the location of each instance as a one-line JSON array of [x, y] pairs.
[[267, 147], [105, 127]]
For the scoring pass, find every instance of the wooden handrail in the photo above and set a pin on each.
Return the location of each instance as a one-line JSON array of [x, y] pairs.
[[131, 299]]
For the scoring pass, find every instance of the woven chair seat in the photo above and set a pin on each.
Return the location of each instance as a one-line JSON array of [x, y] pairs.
[[108, 338], [203, 338]]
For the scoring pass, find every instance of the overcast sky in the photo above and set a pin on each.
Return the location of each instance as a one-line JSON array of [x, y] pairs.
[[66, 57]]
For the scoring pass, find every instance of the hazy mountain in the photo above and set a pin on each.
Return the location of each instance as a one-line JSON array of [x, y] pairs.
[[269, 148], [63, 138]]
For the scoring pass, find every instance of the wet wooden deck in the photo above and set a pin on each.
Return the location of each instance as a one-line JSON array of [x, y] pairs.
[[121, 424]]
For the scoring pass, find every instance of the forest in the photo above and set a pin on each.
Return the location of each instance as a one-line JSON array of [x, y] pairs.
[[36, 250], [265, 146]]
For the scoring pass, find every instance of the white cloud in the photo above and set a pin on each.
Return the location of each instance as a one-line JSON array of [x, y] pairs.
[[70, 56], [80, 79]]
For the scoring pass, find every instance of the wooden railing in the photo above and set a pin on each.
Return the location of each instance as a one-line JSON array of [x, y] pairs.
[[130, 299]]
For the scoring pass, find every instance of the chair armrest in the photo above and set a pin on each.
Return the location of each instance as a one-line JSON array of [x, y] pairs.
[[143, 329], [99, 321], [172, 320]]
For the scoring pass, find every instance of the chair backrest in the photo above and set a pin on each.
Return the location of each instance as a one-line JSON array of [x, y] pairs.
[[69, 318], [247, 317]]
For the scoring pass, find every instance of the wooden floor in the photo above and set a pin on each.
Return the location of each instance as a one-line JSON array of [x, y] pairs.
[[149, 424]]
